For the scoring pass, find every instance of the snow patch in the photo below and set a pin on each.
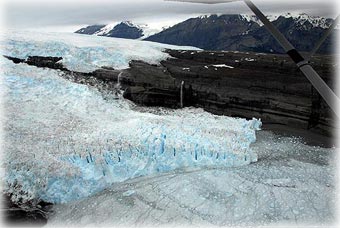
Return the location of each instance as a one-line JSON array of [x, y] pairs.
[[105, 30], [223, 65], [250, 18], [250, 59]]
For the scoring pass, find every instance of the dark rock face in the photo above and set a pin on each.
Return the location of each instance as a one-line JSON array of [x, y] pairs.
[[151, 85], [40, 61], [125, 30], [248, 85], [90, 30], [14, 60], [209, 33], [50, 62]]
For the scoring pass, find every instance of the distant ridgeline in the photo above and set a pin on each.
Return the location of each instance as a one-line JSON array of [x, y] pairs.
[[228, 32]]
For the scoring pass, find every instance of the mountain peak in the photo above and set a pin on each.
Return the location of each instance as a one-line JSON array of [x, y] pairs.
[[125, 29], [302, 19], [90, 30], [129, 23]]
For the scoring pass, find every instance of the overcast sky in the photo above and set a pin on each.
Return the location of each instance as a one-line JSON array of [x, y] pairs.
[[70, 14]]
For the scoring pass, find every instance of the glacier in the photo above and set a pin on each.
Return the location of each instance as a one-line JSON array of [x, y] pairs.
[[291, 185], [104, 161], [63, 141], [84, 53]]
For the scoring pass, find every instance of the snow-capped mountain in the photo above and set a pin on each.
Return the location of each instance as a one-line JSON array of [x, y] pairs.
[[125, 29], [209, 32], [250, 18], [90, 30], [246, 33], [237, 32], [303, 19], [300, 19]]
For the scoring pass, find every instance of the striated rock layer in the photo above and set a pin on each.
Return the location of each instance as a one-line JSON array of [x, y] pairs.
[[269, 87]]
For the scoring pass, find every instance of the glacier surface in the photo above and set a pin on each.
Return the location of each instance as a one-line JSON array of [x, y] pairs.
[[64, 141], [84, 53], [291, 185]]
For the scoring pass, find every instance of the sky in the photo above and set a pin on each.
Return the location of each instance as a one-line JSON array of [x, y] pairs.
[[68, 15]]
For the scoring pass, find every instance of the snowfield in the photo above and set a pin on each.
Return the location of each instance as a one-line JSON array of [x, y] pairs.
[[105, 161]]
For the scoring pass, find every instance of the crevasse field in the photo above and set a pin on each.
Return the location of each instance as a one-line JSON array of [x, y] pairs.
[[103, 161]]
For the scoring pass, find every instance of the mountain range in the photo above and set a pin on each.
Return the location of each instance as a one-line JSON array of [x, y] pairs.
[[234, 32]]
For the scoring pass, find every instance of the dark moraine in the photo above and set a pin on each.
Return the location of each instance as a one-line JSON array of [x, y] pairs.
[[28, 214], [265, 86], [269, 87]]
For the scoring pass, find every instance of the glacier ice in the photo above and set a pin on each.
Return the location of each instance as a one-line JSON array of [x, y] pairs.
[[83, 53], [293, 184], [63, 141], [280, 189]]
